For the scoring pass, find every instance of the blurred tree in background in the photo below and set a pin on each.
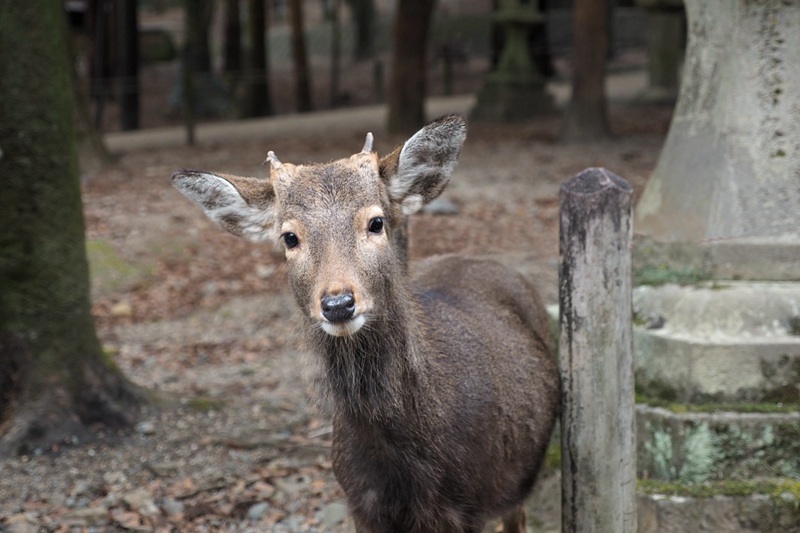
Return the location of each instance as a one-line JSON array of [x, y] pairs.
[[302, 74], [258, 100], [364, 17], [407, 89], [587, 114]]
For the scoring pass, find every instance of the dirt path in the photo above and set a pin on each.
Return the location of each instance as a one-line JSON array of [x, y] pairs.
[[206, 322]]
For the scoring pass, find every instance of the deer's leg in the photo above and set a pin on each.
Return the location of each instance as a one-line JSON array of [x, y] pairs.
[[515, 521]]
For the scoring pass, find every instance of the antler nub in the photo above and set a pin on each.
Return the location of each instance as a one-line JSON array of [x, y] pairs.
[[367, 144], [273, 160]]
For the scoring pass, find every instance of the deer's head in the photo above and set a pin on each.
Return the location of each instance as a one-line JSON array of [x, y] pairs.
[[334, 220]]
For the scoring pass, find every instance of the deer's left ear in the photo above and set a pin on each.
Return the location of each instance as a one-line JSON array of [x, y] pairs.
[[243, 206], [418, 172]]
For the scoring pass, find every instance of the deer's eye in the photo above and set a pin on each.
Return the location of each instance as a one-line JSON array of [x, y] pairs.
[[376, 225], [290, 239]]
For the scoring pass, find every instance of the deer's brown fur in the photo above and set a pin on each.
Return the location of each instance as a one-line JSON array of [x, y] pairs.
[[441, 386]]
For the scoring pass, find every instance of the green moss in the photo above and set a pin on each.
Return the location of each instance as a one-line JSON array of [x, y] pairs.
[[794, 326], [204, 403], [108, 270], [714, 407], [660, 449], [640, 320], [657, 390], [778, 489], [172, 250], [108, 356], [718, 286], [663, 274], [700, 455], [552, 458]]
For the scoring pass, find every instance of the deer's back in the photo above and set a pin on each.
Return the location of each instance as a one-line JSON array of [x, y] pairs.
[[484, 316], [479, 307]]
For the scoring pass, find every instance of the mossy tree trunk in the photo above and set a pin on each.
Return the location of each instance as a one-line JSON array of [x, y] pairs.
[[407, 82], [54, 377]]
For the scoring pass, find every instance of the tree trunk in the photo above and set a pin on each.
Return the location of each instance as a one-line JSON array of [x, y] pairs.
[[407, 78], [128, 65], [364, 17], [201, 29], [190, 64], [92, 152], [54, 378], [587, 118], [336, 53], [98, 58], [302, 75], [258, 101], [232, 63]]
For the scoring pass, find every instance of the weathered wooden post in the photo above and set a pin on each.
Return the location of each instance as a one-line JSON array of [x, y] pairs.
[[598, 439]]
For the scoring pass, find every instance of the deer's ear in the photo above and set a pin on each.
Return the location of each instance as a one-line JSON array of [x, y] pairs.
[[418, 171], [243, 206]]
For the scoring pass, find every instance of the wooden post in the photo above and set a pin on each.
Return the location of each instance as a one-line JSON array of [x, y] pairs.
[[598, 439]]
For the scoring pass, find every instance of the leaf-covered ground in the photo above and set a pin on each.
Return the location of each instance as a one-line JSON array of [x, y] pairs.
[[205, 322]]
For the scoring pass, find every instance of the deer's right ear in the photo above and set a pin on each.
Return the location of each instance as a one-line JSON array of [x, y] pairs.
[[243, 206]]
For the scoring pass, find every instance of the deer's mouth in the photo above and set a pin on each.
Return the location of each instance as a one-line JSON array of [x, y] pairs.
[[344, 328], [342, 313]]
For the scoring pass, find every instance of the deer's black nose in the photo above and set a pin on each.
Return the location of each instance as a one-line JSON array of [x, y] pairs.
[[339, 308]]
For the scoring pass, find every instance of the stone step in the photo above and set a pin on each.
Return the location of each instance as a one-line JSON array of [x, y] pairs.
[[718, 341], [767, 506], [696, 447], [732, 506]]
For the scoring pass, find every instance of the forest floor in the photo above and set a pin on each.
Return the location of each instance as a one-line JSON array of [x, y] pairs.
[[206, 322]]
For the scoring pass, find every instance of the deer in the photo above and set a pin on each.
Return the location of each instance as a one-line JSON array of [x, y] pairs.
[[439, 379]]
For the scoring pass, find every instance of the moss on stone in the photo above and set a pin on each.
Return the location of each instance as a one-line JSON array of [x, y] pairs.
[[715, 407], [782, 491], [663, 274]]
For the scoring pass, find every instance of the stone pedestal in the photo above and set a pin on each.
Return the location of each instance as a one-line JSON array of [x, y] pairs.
[[730, 167], [515, 90], [723, 205], [722, 342]]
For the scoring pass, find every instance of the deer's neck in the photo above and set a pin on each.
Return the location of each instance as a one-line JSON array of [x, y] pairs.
[[375, 374]]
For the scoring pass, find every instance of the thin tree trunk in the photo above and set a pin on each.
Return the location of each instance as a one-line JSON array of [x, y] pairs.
[[258, 100], [98, 57], [54, 378], [407, 79], [128, 65], [190, 66], [204, 14], [336, 52], [364, 18], [232, 63], [587, 116], [301, 71], [92, 152]]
